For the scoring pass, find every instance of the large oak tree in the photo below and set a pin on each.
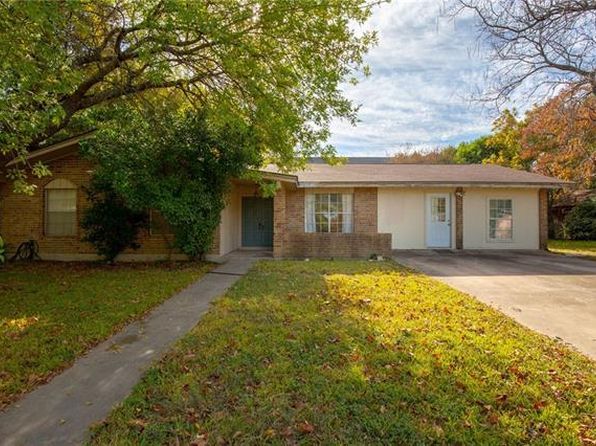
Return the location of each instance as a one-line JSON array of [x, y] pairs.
[[276, 63]]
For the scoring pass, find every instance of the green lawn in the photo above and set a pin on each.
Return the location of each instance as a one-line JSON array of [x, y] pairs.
[[576, 247], [348, 352], [50, 313]]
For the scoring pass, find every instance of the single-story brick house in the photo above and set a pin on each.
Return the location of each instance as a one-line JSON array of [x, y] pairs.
[[353, 210]]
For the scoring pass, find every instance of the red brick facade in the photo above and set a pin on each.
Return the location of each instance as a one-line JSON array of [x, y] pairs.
[[459, 218], [22, 219], [291, 240], [542, 218]]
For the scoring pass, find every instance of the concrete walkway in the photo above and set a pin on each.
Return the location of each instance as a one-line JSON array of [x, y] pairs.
[[61, 411]]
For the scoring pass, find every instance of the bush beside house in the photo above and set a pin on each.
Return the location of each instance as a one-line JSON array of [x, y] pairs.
[[580, 223]]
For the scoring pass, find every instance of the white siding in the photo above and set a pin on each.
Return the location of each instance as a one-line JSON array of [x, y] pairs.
[[401, 212], [525, 218], [230, 235]]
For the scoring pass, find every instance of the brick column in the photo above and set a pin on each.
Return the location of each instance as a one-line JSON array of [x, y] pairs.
[[459, 218], [365, 210], [279, 222], [542, 218]]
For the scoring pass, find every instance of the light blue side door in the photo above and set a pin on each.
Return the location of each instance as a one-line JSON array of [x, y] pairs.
[[438, 221]]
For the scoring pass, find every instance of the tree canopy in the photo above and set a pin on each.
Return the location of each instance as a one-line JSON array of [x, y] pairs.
[[559, 138], [277, 64], [537, 46], [175, 160], [556, 138]]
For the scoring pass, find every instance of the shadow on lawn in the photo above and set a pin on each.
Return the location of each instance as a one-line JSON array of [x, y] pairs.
[[300, 353]]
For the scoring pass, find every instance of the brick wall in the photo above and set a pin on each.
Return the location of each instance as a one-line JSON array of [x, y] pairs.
[[327, 245], [459, 218], [22, 219], [279, 221], [364, 241], [365, 210], [542, 219]]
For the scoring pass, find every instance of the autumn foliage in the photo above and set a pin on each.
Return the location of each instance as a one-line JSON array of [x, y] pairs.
[[559, 137]]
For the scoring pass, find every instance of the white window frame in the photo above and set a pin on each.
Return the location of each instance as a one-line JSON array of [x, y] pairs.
[[310, 212], [489, 218]]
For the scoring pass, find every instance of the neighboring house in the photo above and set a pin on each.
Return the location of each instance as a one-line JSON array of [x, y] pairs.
[[353, 210]]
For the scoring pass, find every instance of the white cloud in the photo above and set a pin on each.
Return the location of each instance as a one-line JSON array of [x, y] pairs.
[[424, 71]]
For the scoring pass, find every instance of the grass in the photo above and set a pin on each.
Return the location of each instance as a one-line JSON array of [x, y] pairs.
[[51, 313], [349, 352], [575, 247]]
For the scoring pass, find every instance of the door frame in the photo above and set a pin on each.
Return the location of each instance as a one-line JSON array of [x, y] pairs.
[[449, 213], [241, 225]]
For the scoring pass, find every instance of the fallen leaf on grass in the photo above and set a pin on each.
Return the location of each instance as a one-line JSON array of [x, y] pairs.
[[270, 433], [199, 440], [306, 428], [493, 418], [138, 422]]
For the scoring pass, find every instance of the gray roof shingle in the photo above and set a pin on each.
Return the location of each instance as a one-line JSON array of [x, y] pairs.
[[321, 175]]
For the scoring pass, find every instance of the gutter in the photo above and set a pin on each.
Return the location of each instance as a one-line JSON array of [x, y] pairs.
[[411, 184], [278, 176]]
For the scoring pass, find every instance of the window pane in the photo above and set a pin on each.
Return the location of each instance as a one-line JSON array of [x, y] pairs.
[[321, 202], [502, 235], [61, 212], [331, 213], [500, 225], [438, 209], [62, 200]]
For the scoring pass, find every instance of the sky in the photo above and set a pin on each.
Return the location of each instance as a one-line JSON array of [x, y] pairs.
[[425, 69]]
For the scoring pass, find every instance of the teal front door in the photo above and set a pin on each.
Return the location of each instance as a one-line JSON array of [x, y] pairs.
[[257, 222]]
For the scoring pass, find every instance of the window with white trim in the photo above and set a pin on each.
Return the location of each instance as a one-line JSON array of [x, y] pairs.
[[60, 200], [330, 212], [500, 219]]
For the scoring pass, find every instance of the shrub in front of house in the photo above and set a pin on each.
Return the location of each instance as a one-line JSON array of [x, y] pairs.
[[109, 224], [580, 223]]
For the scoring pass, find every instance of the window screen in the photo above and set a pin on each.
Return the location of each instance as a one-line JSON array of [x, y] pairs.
[[61, 212], [500, 221]]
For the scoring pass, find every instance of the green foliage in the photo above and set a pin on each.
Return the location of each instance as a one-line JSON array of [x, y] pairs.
[[505, 140], [277, 63], [580, 223], [473, 152], [52, 313], [109, 224], [502, 146], [2, 251], [357, 352], [440, 155], [176, 161]]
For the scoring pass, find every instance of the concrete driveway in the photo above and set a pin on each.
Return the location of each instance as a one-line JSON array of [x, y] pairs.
[[553, 294]]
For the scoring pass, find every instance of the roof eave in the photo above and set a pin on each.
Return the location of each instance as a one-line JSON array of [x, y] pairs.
[[285, 177], [47, 152], [409, 184]]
